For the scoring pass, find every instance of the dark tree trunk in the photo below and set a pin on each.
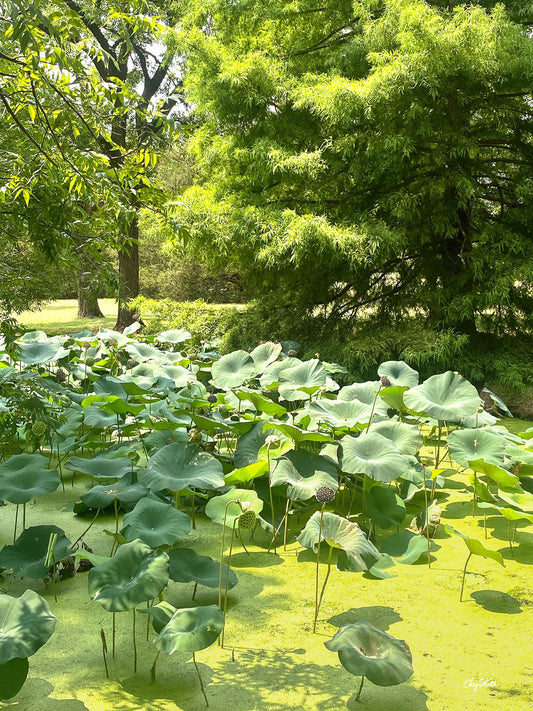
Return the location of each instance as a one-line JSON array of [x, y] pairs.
[[128, 271], [88, 306]]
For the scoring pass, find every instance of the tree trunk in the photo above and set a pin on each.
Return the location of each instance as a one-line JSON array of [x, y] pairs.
[[87, 298], [128, 272]]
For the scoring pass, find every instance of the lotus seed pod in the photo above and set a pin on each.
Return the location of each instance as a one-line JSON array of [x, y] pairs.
[[195, 435], [86, 346], [272, 442], [212, 398], [324, 494], [131, 363], [291, 353], [38, 429], [89, 361], [61, 375], [247, 520], [385, 382]]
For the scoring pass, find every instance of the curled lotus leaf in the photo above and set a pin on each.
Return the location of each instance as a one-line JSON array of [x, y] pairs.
[[365, 650], [399, 373], [227, 508], [304, 473], [25, 476], [156, 523], [191, 629], [27, 556], [373, 455], [133, 575], [26, 623], [468, 445], [179, 466], [233, 369], [13, 674], [185, 566]]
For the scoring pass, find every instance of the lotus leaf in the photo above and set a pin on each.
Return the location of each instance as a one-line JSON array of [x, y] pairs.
[[468, 445], [365, 650], [133, 575], [406, 438], [385, 507], [265, 354], [301, 381], [399, 373], [101, 495], [156, 523], [186, 565], [304, 473], [250, 444], [373, 455], [12, 677], [233, 369], [27, 556], [226, 509], [179, 466], [446, 396], [245, 475], [176, 335], [501, 476], [191, 629], [338, 532], [341, 413], [407, 546], [40, 352], [26, 623], [25, 476], [102, 466]]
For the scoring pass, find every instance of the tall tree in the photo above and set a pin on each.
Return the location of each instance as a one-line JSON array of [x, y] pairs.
[[88, 89], [368, 158]]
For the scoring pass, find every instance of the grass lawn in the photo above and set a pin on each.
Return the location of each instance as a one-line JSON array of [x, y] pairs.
[[61, 317]]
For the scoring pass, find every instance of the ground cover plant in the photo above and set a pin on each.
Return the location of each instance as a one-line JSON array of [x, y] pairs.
[[189, 484]]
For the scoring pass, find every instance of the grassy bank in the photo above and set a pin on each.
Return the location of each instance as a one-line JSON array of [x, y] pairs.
[[61, 317]]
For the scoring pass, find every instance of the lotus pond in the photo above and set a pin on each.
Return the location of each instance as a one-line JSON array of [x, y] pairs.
[[182, 530]]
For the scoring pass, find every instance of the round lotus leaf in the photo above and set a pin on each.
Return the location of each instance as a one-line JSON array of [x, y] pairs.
[[103, 495], [251, 443], [468, 445], [304, 473], [143, 351], [365, 650], [191, 629], [385, 507], [229, 506], [175, 335], [338, 532], [265, 354], [373, 455], [41, 352], [26, 623], [271, 377], [133, 575], [363, 392], [101, 466], [299, 382], [406, 438], [407, 546], [398, 373], [25, 476], [180, 466], [446, 396], [27, 556], [186, 566], [12, 677], [233, 369], [156, 523], [341, 413]]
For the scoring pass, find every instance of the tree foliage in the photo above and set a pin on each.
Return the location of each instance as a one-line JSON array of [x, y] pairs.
[[368, 159]]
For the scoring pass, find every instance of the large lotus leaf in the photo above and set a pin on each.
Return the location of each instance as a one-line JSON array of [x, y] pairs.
[[159, 438], [109, 385], [101, 466], [245, 475], [385, 507], [143, 351], [156, 523], [12, 677], [41, 352], [191, 629], [399, 373], [95, 417], [33, 337], [27, 556], [102, 495], [133, 575], [446, 396], [338, 532], [226, 509], [501, 476], [304, 473], [365, 393], [114, 404], [406, 438], [175, 335], [365, 650], [265, 354], [185, 566], [251, 443], [26, 623], [299, 382], [233, 369], [181, 466], [468, 445], [373, 455], [25, 476], [177, 374], [272, 375], [297, 434], [340, 413], [407, 546], [161, 614], [108, 334]]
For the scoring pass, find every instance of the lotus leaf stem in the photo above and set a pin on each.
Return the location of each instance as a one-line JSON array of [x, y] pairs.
[[114, 632], [510, 536], [152, 669], [360, 688], [16, 519], [464, 576], [427, 520], [134, 645], [200, 679], [104, 650], [271, 498]]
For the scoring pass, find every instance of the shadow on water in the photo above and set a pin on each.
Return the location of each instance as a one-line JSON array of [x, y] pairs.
[[497, 601], [380, 616], [34, 697]]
